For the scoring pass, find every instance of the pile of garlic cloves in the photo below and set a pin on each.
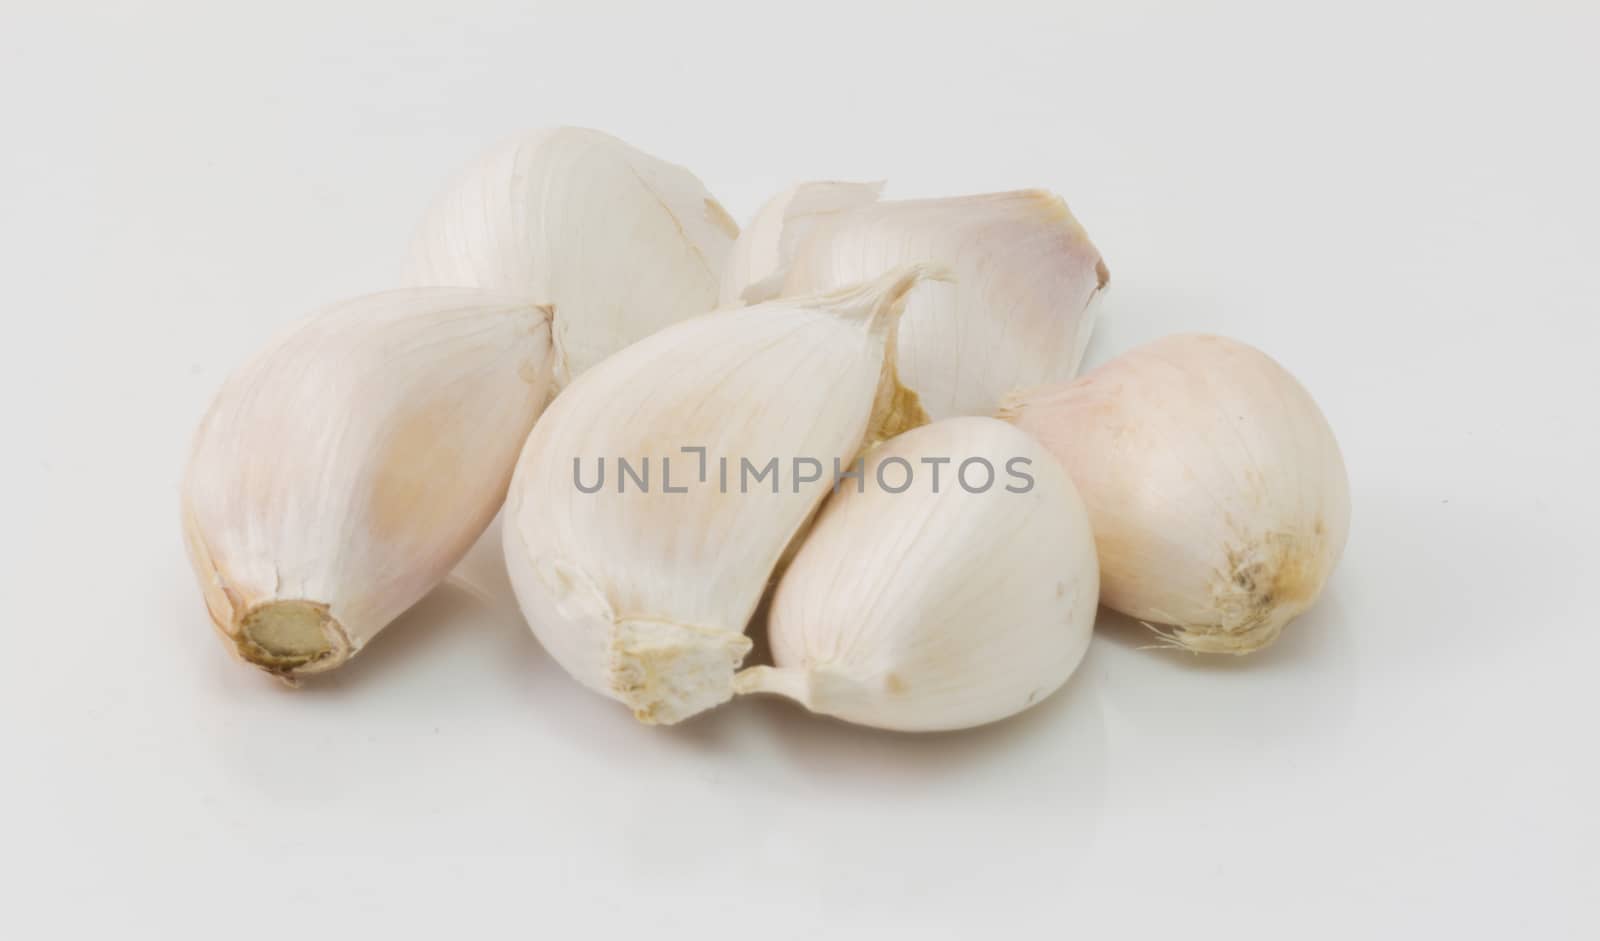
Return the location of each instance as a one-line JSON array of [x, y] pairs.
[[865, 412]]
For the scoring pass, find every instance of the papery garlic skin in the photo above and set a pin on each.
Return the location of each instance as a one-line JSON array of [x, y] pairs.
[[934, 609], [1017, 311], [1217, 492], [340, 474], [643, 595], [758, 262], [618, 243]]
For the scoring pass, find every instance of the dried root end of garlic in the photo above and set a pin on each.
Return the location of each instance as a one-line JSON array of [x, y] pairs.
[[1266, 582], [1218, 494], [292, 636], [285, 637], [668, 672]]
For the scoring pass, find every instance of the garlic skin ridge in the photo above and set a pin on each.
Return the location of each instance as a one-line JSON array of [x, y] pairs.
[[618, 243], [644, 595], [1018, 309], [1217, 491], [760, 256], [929, 611], [339, 475]]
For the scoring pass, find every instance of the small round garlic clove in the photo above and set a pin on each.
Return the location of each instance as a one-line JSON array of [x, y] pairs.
[[957, 587], [1017, 309], [339, 475], [617, 243], [641, 586], [1218, 495]]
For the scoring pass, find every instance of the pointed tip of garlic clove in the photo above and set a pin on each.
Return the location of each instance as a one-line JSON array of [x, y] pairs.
[[1027, 272], [776, 681], [669, 672], [823, 691], [879, 302]]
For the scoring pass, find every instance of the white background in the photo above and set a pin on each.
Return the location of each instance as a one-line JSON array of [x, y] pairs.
[[1396, 200]]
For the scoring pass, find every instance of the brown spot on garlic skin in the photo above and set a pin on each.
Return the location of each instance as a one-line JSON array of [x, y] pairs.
[[892, 683]]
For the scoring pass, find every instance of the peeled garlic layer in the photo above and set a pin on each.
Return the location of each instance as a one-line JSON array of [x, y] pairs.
[[642, 589], [764, 247], [965, 597], [340, 474], [617, 243], [1017, 311], [1216, 489]]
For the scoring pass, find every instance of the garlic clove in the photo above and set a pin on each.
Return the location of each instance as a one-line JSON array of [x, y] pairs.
[[643, 588], [1217, 492], [339, 475], [618, 243], [957, 587], [1018, 310], [758, 263]]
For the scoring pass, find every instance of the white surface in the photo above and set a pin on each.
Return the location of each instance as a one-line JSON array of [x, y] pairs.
[[1398, 201]]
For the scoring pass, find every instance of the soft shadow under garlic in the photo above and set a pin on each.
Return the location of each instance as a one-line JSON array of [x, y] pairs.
[[1069, 725]]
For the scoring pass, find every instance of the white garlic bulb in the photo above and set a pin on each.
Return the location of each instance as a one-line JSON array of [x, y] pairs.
[[617, 243], [1217, 492], [1018, 310], [340, 474], [956, 587], [642, 589], [764, 247]]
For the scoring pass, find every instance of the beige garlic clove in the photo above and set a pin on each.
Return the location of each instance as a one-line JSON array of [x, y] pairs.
[[759, 260], [1017, 311], [1217, 492], [617, 243], [956, 587], [340, 474], [643, 588]]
